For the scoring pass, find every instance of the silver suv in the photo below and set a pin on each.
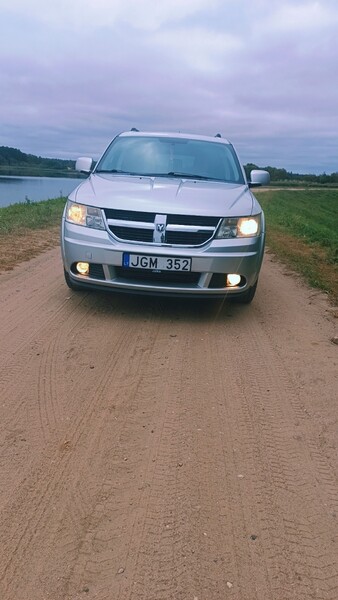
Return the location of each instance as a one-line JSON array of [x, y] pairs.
[[165, 213]]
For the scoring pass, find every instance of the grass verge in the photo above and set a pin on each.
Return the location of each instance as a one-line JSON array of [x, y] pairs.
[[302, 231], [33, 215], [26, 230]]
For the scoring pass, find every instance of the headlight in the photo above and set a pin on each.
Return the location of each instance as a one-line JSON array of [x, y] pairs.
[[87, 216], [249, 226], [239, 227]]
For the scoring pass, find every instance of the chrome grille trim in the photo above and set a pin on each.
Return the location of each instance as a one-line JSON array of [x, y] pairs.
[[131, 224], [189, 228], [161, 229], [143, 225]]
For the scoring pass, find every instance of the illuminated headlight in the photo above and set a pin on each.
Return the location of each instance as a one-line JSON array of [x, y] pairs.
[[249, 226], [241, 227], [87, 216], [233, 279], [82, 268]]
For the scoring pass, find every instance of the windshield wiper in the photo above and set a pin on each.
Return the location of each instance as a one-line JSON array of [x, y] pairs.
[[170, 174], [115, 171], [190, 176]]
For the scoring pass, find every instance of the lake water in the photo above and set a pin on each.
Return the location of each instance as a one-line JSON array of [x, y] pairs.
[[15, 189]]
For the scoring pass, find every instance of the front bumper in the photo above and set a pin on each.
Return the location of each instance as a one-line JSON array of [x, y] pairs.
[[210, 264]]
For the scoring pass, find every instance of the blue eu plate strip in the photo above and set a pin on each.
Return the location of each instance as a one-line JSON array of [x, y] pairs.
[[126, 260]]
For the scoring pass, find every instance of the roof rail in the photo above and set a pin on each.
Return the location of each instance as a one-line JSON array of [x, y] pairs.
[[218, 135]]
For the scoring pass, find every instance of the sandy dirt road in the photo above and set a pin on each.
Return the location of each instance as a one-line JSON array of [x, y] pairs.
[[155, 449]]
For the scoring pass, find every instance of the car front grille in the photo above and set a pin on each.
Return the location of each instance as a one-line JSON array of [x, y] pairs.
[[160, 229], [96, 271], [160, 277], [132, 234]]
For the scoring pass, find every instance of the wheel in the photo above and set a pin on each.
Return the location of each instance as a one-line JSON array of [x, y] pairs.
[[247, 296], [73, 286]]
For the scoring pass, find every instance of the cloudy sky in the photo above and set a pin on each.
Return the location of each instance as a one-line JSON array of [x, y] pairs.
[[264, 73]]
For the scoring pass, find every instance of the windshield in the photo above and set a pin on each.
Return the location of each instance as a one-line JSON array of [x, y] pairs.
[[171, 157]]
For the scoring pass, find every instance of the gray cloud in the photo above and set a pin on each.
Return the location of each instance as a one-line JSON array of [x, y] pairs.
[[261, 73]]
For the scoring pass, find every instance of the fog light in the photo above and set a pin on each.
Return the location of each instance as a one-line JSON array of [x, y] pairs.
[[233, 279], [82, 268]]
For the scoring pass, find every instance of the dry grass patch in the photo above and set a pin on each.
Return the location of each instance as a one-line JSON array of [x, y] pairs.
[[311, 261], [24, 244]]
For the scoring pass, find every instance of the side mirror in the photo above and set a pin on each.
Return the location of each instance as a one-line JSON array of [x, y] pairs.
[[258, 178], [84, 164]]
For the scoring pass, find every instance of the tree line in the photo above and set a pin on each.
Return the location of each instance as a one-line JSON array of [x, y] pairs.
[[12, 157], [282, 175]]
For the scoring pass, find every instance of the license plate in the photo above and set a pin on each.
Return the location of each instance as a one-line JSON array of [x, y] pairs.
[[156, 263]]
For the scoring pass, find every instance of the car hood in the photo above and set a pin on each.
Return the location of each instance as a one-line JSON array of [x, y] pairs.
[[167, 195]]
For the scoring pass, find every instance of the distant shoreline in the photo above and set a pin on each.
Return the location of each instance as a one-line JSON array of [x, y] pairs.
[[31, 172]]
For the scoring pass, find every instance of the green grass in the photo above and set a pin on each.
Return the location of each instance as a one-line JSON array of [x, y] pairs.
[[34, 215], [302, 228]]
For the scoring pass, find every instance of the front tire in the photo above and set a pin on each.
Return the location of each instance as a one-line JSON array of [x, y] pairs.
[[247, 297], [73, 286]]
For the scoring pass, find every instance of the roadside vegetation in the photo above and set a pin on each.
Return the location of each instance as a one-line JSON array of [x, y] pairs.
[[302, 231], [28, 229], [31, 215]]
